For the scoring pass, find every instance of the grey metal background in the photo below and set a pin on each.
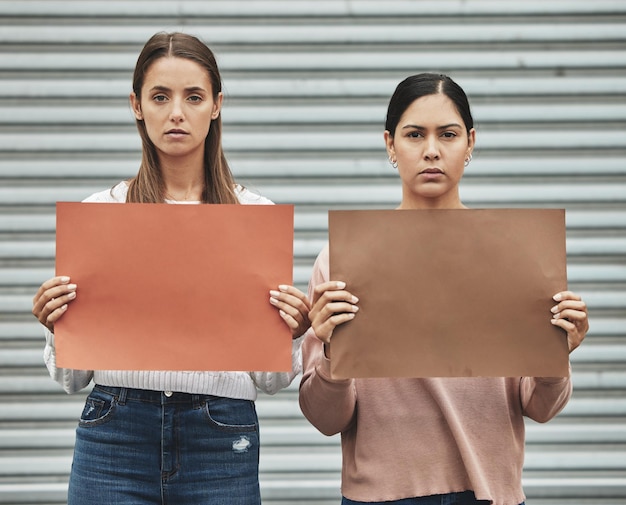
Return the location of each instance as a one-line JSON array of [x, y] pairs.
[[307, 84]]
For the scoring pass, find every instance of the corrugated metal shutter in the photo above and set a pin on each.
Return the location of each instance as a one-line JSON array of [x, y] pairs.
[[307, 86]]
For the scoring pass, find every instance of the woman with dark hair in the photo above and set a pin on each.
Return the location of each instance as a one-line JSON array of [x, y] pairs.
[[148, 437], [427, 441]]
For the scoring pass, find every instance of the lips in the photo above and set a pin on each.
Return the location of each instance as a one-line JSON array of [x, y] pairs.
[[432, 171], [176, 131]]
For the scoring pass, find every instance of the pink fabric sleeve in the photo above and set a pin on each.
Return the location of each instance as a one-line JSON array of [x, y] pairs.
[[328, 404], [544, 397]]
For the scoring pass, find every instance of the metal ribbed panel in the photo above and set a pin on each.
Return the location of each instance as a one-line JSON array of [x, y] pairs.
[[307, 84]]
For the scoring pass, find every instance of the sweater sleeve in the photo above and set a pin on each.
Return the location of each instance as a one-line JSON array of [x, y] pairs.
[[544, 397], [72, 381], [328, 404], [272, 382]]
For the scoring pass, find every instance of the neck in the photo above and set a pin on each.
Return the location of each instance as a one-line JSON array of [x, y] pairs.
[[431, 203], [183, 182]]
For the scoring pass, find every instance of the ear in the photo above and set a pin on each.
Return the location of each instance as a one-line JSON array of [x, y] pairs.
[[135, 103], [391, 150], [471, 142], [217, 105]]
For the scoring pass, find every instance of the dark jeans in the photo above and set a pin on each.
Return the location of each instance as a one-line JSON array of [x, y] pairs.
[[464, 498], [148, 447]]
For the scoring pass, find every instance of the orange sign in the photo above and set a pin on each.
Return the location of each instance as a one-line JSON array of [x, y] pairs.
[[174, 287]]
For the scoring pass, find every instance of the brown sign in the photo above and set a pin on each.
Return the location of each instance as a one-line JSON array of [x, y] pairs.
[[448, 293]]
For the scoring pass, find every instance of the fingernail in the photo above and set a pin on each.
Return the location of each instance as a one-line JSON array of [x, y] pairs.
[[274, 293], [355, 308], [273, 301], [554, 309], [71, 286], [341, 284], [65, 279], [355, 299], [282, 313], [64, 307], [351, 315], [71, 295], [283, 287], [556, 316], [557, 297]]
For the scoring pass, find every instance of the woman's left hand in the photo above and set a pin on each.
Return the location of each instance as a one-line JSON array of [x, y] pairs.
[[293, 306], [570, 313]]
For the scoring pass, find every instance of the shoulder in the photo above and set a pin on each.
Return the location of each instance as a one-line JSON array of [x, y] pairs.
[[247, 197], [116, 194]]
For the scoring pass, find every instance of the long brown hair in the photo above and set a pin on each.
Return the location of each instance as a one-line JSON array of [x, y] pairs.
[[148, 186]]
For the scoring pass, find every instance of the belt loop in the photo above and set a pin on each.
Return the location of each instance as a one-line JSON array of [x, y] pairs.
[[122, 397], [196, 401]]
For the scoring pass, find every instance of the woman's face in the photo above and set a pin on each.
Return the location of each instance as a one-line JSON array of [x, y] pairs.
[[431, 145], [177, 106]]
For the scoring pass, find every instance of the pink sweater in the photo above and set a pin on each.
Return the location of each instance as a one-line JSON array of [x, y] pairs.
[[403, 438]]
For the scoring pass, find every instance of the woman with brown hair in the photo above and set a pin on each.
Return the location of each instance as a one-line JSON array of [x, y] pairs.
[[171, 437]]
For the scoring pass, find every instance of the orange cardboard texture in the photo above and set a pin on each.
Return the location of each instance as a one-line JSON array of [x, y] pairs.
[[174, 287], [449, 293]]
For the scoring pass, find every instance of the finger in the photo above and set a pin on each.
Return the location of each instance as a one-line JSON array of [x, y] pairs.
[[572, 315], [325, 330], [330, 309], [298, 325], [574, 336], [569, 303], [293, 292], [54, 297], [298, 315], [566, 295], [55, 309], [54, 316], [575, 323], [327, 288], [290, 302], [291, 321], [52, 302], [50, 283], [331, 297]]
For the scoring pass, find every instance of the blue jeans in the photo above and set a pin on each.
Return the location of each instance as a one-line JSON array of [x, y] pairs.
[[148, 447], [463, 498]]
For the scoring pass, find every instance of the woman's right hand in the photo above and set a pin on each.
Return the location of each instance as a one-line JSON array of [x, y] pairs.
[[332, 306], [51, 300]]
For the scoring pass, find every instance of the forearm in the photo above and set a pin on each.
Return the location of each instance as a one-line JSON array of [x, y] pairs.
[[328, 404], [544, 397]]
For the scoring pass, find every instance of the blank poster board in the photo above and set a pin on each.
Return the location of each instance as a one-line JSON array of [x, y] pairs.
[[449, 293], [174, 287]]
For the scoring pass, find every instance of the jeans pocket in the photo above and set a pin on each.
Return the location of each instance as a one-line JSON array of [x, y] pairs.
[[230, 414], [99, 408]]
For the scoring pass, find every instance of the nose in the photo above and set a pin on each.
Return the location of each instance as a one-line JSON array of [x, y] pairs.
[[431, 151], [176, 113]]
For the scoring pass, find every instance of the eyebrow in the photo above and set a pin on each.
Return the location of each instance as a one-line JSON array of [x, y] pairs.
[[443, 127], [190, 89]]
